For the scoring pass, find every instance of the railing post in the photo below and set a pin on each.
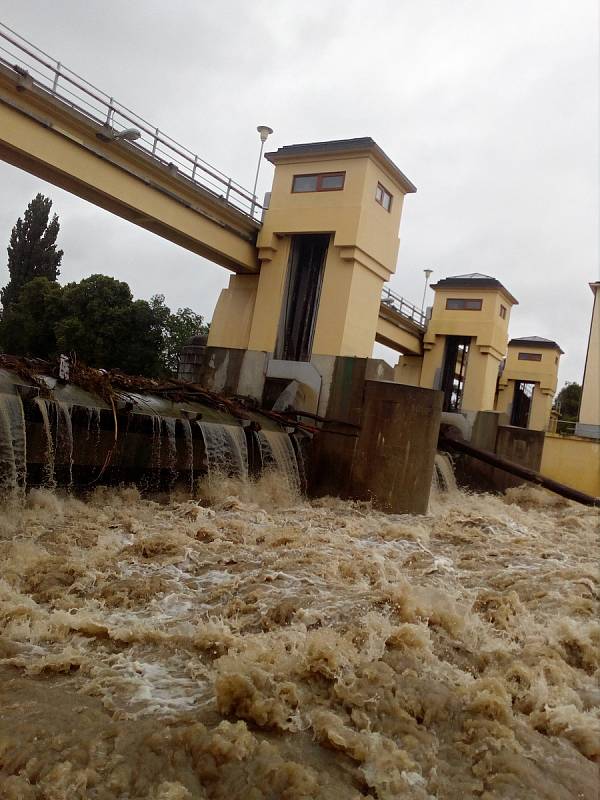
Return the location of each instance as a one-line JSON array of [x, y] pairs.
[[194, 168], [228, 190], [155, 141], [110, 112], [56, 77]]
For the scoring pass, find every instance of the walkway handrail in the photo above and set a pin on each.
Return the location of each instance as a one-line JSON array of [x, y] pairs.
[[19, 54], [403, 307]]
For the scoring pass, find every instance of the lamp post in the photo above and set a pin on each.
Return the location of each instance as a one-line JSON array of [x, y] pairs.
[[427, 276], [264, 132]]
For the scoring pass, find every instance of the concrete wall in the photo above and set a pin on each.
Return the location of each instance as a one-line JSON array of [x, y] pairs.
[[519, 445], [574, 461], [389, 459]]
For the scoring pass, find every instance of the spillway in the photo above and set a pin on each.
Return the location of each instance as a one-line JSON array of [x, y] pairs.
[[57, 434]]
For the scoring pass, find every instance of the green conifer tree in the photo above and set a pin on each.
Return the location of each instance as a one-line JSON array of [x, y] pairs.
[[32, 249]]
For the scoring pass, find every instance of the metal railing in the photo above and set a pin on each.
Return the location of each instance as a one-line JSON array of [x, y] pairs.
[[403, 307], [30, 62]]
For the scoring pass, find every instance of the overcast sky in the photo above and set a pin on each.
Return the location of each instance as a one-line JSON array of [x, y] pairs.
[[489, 106]]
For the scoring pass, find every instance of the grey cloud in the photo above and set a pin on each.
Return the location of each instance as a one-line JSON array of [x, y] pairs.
[[489, 107]]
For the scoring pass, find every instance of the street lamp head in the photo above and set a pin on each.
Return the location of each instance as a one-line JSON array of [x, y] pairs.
[[265, 132], [427, 273], [108, 134], [129, 134]]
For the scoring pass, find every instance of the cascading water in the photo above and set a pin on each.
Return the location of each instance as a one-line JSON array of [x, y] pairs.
[[226, 449], [278, 452], [155, 454], [189, 449], [64, 437], [443, 479], [169, 426], [49, 477], [13, 457]]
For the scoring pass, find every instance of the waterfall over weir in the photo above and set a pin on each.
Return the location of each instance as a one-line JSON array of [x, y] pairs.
[[60, 435], [278, 453], [443, 479], [226, 449], [13, 447]]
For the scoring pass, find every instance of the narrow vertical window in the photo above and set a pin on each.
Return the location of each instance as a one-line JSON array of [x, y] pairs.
[[383, 197]]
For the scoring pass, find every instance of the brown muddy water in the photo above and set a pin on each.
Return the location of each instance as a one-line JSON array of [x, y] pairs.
[[253, 645]]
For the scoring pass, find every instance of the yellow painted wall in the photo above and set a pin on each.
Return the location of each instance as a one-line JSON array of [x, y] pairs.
[[489, 337], [408, 370], [362, 255], [543, 373], [574, 461], [487, 326], [267, 309], [480, 383], [234, 312], [541, 405], [589, 412]]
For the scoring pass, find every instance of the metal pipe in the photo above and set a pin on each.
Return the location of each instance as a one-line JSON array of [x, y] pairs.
[[520, 471]]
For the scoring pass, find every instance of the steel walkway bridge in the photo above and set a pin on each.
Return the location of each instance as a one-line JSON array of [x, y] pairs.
[[56, 125]]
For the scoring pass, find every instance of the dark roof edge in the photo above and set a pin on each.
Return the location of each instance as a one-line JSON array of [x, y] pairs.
[[547, 343], [342, 146], [474, 283]]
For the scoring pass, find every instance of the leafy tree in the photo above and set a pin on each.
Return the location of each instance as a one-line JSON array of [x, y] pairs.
[[98, 321], [105, 327], [568, 400], [32, 249], [28, 327], [178, 328]]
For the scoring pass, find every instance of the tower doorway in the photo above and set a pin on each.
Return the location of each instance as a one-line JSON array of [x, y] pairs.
[[455, 369], [306, 266], [521, 407]]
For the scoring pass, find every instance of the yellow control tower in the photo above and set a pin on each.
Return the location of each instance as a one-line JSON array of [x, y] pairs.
[[528, 381], [328, 243], [466, 340]]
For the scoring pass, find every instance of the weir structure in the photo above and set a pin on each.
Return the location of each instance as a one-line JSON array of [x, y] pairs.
[[296, 326], [57, 433]]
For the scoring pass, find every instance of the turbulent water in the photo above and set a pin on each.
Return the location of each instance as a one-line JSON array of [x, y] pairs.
[[256, 646]]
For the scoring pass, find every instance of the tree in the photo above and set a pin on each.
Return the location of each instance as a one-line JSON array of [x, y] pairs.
[[568, 401], [178, 328], [28, 326], [97, 321], [32, 249], [105, 327]]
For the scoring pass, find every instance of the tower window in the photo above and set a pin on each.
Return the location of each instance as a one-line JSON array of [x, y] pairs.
[[383, 197], [323, 182], [530, 356], [463, 304], [503, 311]]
